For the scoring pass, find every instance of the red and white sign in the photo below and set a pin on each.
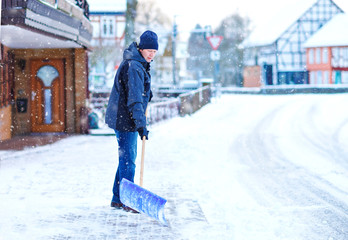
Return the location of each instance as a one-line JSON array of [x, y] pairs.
[[215, 41]]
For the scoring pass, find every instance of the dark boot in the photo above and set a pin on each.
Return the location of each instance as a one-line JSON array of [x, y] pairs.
[[128, 209], [116, 205]]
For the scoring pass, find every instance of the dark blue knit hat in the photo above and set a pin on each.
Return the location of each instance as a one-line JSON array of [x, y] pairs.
[[148, 40]]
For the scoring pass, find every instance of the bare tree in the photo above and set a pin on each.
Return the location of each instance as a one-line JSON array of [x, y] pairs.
[[234, 29], [150, 15], [199, 62], [131, 13]]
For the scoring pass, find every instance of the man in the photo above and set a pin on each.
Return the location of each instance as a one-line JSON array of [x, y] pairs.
[[127, 105]]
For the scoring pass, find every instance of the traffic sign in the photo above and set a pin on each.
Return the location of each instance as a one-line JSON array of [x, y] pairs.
[[215, 55], [215, 41]]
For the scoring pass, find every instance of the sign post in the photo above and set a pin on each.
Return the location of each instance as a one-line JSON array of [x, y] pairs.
[[215, 42]]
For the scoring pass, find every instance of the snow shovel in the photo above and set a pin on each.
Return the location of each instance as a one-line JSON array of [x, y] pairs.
[[140, 199]]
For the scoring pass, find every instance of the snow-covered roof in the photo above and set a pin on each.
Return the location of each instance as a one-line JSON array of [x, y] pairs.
[[267, 34], [334, 33], [107, 5]]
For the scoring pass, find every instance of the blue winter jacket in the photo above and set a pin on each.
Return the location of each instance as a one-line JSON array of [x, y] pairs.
[[130, 93]]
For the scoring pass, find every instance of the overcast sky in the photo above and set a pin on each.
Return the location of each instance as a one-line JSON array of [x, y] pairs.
[[191, 12]]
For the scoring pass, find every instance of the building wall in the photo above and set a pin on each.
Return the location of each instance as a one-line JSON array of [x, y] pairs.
[[108, 29], [286, 54], [5, 123], [108, 41], [324, 62], [75, 85], [81, 89], [6, 98], [252, 76], [262, 56], [319, 65]]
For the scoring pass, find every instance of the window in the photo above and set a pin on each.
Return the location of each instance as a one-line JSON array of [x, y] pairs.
[[105, 28], [108, 26], [312, 77], [326, 77], [319, 77], [335, 57], [344, 76], [311, 56], [47, 74], [111, 27], [345, 57], [325, 55], [318, 55], [340, 57]]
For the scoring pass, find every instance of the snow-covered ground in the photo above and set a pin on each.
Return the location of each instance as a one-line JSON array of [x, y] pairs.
[[243, 167]]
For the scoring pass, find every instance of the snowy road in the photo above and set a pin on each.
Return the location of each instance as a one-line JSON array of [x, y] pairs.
[[297, 167], [243, 167]]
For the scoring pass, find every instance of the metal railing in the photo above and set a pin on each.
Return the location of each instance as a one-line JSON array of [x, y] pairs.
[[186, 103], [163, 110]]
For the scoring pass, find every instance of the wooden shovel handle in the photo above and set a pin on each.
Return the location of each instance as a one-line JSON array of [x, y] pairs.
[[142, 157], [142, 162]]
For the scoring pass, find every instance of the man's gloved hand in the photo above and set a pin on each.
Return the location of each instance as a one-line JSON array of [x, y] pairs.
[[151, 95], [143, 132]]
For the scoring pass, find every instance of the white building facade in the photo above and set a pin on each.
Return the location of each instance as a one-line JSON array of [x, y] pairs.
[[109, 22]]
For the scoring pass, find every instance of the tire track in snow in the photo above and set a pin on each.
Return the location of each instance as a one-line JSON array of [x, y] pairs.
[[274, 179], [325, 141]]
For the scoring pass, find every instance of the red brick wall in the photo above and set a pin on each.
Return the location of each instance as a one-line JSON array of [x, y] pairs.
[[319, 66]]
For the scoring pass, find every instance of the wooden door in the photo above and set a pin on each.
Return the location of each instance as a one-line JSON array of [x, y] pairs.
[[47, 95]]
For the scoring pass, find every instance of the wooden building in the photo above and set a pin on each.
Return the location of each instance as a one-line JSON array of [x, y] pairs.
[[44, 66], [278, 47], [327, 53]]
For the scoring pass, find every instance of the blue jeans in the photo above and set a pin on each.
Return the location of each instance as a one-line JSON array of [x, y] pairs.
[[127, 153]]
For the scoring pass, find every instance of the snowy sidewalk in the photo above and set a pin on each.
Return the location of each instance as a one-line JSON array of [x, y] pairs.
[[243, 167], [63, 191]]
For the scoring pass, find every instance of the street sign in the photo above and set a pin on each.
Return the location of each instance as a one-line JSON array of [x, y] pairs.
[[215, 55], [215, 41]]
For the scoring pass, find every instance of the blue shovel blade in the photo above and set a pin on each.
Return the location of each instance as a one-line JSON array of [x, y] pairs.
[[142, 200]]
